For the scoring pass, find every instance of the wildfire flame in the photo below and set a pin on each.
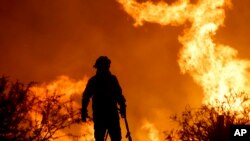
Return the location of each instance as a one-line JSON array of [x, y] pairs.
[[62, 85], [152, 132], [213, 66], [68, 87]]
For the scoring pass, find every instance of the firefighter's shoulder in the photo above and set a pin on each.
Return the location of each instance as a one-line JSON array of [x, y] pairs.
[[92, 79]]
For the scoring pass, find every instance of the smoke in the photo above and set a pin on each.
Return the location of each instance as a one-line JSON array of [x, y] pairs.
[[40, 40]]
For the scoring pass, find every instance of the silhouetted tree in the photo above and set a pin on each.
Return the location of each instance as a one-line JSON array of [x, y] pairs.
[[25, 116], [207, 124]]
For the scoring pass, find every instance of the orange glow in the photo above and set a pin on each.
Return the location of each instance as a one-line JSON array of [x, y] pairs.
[[152, 132], [62, 85], [86, 133], [213, 66], [41, 40], [67, 87]]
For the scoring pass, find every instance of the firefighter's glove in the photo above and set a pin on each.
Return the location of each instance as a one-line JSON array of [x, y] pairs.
[[123, 111], [84, 115]]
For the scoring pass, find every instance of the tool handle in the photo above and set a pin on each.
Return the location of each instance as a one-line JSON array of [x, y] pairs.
[[128, 132]]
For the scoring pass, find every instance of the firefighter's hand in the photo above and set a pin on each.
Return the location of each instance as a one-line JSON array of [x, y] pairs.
[[84, 115], [123, 111]]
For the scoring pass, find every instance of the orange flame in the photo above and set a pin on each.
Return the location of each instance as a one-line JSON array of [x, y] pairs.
[[152, 132], [62, 85], [213, 66], [86, 133], [68, 87]]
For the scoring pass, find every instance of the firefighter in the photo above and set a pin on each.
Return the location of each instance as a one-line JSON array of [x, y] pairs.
[[106, 94]]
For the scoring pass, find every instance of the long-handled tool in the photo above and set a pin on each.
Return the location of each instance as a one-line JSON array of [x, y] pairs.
[[106, 135], [128, 135]]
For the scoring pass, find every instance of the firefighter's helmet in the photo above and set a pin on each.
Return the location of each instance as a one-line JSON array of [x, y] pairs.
[[102, 62]]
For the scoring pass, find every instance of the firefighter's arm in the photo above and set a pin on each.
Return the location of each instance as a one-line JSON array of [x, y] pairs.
[[122, 103], [87, 94], [120, 99]]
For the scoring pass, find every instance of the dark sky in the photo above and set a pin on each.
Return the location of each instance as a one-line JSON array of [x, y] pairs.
[[42, 39]]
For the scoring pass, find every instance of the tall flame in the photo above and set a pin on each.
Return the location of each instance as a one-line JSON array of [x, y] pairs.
[[213, 66]]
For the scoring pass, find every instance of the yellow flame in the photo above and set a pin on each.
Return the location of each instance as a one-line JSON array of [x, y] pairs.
[[62, 85], [152, 132], [213, 66], [67, 87]]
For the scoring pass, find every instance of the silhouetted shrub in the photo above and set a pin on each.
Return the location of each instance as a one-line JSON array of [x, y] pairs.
[[26, 116], [207, 124]]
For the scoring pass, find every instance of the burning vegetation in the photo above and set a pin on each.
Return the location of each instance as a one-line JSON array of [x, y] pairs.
[[215, 67], [51, 110], [41, 112]]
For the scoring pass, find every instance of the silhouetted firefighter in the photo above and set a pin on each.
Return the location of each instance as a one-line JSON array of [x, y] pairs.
[[106, 94]]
